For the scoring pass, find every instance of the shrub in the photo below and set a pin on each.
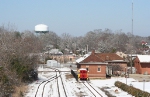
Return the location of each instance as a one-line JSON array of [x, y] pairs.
[[132, 90], [24, 69]]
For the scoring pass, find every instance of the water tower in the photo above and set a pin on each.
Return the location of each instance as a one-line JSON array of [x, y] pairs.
[[41, 28]]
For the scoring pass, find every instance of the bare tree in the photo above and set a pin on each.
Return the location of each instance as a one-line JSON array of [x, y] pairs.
[[66, 41], [17, 58], [50, 38]]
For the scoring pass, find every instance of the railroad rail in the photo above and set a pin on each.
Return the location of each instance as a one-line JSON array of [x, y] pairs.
[[60, 86], [92, 89], [44, 83]]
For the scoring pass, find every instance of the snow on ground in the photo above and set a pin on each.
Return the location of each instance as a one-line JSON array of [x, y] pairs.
[[108, 85], [76, 89]]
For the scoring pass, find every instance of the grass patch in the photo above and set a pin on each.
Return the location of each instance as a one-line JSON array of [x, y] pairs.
[[19, 91]]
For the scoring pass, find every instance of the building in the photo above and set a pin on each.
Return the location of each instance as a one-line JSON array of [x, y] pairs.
[[116, 64], [95, 66], [52, 63], [101, 64], [142, 64], [56, 54]]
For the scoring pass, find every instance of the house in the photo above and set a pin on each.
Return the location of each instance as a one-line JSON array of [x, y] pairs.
[[116, 64], [96, 67], [101, 64], [64, 58], [56, 54], [142, 64]]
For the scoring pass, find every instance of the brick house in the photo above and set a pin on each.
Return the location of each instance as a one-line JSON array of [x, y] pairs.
[[142, 64], [115, 63], [96, 67], [100, 64]]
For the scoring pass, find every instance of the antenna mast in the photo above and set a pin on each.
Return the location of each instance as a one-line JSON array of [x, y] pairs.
[[132, 37], [132, 17]]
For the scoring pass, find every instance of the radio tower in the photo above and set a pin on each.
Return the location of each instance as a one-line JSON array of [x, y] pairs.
[[132, 37], [132, 17]]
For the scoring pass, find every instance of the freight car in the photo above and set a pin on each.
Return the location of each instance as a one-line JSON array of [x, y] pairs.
[[83, 74]]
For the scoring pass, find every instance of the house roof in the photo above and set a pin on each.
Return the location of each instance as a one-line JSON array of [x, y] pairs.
[[55, 51], [120, 61], [82, 58], [95, 63], [144, 58], [99, 58], [92, 58], [109, 56]]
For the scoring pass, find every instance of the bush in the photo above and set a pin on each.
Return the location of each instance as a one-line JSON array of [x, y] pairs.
[[132, 90], [24, 70], [33, 74]]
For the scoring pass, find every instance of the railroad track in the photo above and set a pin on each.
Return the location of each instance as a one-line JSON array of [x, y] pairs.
[[43, 84], [92, 89], [60, 85]]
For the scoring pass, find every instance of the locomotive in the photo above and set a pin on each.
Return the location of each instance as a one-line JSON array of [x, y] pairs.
[[83, 74]]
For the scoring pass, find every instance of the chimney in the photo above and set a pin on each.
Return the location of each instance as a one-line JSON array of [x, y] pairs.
[[93, 51]]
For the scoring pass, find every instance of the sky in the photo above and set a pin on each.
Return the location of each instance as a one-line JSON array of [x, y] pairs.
[[77, 17]]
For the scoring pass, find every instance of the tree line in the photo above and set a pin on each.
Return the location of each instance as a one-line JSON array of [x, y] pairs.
[[100, 40]]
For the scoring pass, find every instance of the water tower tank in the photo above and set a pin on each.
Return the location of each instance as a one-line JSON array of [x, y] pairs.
[[41, 28]]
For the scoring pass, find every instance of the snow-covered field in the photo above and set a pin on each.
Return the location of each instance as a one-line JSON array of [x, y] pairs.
[[77, 89]]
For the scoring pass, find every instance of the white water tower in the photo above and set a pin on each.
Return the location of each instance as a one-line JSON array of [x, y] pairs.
[[41, 28]]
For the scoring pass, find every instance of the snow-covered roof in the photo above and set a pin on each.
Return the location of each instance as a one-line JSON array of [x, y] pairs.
[[82, 58], [55, 51], [144, 58], [82, 69], [51, 61]]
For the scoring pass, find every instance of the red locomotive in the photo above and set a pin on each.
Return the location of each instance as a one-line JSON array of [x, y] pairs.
[[83, 74]]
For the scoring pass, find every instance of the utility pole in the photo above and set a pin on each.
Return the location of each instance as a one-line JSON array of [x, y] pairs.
[[132, 37]]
